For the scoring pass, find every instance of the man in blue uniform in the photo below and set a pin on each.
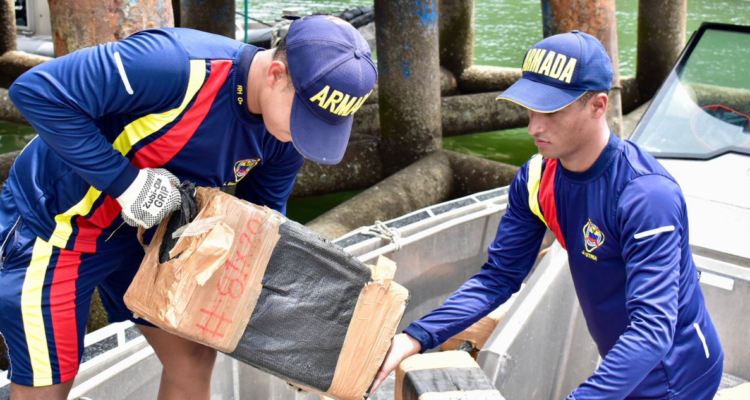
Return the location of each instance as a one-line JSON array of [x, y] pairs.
[[623, 221], [119, 124]]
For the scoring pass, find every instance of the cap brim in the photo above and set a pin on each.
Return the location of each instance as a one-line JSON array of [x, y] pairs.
[[540, 97], [317, 139]]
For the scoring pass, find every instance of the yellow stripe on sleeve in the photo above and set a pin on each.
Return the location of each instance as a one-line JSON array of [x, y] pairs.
[[63, 227], [534, 180], [149, 124], [132, 134], [31, 311]]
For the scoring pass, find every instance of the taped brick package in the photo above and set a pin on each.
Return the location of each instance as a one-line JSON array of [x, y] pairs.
[[318, 317], [474, 337], [450, 375], [207, 292]]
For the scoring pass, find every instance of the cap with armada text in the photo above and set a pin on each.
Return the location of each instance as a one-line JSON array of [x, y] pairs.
[[333, 74], [560, 69]]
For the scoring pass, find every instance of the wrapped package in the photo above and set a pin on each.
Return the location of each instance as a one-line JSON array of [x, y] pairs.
[[208, 290], [473, 338], [450, 375], [282, 298]]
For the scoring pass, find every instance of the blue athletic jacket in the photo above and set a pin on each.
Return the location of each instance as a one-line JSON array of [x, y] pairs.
[[170, 98], [624, 225]]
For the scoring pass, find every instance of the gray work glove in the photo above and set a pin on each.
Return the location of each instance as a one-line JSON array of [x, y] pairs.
[[151, 197]]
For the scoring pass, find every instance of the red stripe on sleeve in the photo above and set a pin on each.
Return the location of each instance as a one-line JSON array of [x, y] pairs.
[[63, 310], [547, 200], [156, 154], [163, 149]]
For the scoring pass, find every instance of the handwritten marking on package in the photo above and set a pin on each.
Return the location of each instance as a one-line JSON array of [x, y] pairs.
[[211, 314], [232, 282]]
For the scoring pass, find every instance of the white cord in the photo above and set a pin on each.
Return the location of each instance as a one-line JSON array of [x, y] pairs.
[[382, 231], [12, 231]]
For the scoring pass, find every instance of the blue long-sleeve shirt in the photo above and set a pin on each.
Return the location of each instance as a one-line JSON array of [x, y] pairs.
[[169, 98], [624, 224]]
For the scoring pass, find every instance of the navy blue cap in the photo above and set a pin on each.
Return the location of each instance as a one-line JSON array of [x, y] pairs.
[[333, 74], [559, 70]]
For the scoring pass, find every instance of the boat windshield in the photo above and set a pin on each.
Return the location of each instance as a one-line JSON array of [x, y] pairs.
[[702, 109]]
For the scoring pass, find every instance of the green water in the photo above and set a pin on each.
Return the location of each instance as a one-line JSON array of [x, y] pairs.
[[512, 146], [504, 30], [13, 136]]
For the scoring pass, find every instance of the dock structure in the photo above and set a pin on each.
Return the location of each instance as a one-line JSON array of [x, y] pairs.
[[429, 87], [597, 18], [456, 22], [13, 63], [215, 16], [84, 23], [662, 28], [408, 80]]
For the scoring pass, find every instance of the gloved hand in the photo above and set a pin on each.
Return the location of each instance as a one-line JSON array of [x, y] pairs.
[[150, 198]]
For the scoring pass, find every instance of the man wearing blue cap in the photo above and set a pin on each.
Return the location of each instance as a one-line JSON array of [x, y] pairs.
[[121, 123], [623, 221]]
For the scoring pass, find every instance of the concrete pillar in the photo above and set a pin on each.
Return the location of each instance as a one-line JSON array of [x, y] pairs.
[[8, 111], [14, 63], [631, 96], [460, 115], [360, 169], [662, 29], [84, 23], [409, 80], [7, 26], [482, 79], [424, 183], [439, 177], [473, 174], [367, 121], [476, 113], [456, 23], [448, 87], [215, 16], [597, 18]]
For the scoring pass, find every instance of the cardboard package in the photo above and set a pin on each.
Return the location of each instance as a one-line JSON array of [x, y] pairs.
[[443, 376], [377, 315], [208, 292], [477, 334], [272, 294]]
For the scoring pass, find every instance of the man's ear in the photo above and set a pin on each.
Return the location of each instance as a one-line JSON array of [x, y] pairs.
[[277, 72], [599, 105]]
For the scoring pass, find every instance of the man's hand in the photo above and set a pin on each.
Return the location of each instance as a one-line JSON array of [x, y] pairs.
[[150, 198], [403, 346]]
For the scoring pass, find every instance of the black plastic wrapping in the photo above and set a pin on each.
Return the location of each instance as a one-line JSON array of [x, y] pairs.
[[310, 290], [183, 216], [417, 383]]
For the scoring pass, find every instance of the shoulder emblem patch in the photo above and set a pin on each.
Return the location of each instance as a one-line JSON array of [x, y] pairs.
[[593, 237], [243, 167]]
